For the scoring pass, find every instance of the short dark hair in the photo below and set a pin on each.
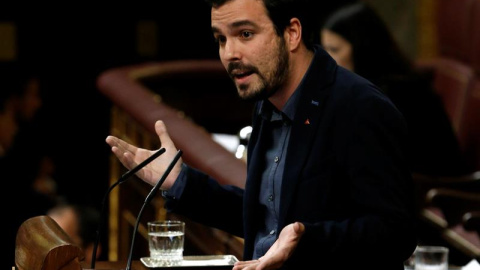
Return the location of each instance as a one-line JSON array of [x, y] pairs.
[[282, 11]]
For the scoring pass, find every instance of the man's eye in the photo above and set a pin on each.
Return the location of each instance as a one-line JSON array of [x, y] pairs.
[[220, 39], [247, 34]]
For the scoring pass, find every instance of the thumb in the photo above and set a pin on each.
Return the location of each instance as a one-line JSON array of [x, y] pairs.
[[298, 228], [161, 130]]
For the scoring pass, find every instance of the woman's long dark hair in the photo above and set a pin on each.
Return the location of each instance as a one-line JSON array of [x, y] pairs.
[[376, 55]]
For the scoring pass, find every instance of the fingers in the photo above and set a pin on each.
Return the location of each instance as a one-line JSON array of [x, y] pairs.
[[280, 251], [246, 265], [121, 145], [130, 155], [124, 151], [124, 147]]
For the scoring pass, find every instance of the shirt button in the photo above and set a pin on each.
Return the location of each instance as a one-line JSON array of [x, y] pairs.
[[270, 198], [277, 159], [272, 232]]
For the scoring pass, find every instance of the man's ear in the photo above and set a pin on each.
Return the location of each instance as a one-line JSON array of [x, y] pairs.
[[293, 34]]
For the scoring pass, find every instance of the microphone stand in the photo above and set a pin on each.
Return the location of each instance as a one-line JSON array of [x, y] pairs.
[[122, 179], [147, 201]]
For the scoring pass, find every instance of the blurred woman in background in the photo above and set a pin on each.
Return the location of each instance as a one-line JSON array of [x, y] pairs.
[[359, 40]]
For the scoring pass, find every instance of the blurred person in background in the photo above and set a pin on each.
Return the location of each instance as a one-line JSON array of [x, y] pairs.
[[359, 40], [19, 87], [28, 103], [8, 122], [80, 223]]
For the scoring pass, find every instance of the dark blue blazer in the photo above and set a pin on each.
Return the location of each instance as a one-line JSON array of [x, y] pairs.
[[345, 178]]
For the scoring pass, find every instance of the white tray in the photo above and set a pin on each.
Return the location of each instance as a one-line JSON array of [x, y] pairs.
[[196, 261]]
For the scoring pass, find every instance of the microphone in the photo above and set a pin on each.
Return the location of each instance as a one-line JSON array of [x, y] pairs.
[[147, 201], [122, 179]]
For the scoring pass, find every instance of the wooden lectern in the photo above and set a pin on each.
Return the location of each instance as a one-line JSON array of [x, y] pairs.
[[42, 245]]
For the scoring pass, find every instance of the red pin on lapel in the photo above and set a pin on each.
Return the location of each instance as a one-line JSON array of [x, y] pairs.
[[307, 122]]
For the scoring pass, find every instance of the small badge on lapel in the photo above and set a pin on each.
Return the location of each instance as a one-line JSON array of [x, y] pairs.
[[307, 122], [314, 102]]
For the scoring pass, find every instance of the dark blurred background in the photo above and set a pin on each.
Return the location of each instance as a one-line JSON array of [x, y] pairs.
[[70, 46], [70, 49]]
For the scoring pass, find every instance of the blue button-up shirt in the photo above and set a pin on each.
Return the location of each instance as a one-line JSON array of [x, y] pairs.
[[277, 125], [278, 128]]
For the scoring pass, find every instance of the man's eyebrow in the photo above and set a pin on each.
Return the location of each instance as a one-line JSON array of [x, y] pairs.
[[243, 23], [236, 25], [215, 29]]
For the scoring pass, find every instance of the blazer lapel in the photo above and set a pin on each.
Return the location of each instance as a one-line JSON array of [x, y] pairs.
[[315, 90]]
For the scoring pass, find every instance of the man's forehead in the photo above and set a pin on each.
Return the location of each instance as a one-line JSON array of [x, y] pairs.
[[235, 13]]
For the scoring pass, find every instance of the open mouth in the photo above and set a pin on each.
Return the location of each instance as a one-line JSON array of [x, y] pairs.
[[241, 74]]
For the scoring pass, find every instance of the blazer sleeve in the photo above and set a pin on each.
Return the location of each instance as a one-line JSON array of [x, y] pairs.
[[202, 199]]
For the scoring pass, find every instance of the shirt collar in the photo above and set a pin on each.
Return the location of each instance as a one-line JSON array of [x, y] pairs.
[[269, 113]]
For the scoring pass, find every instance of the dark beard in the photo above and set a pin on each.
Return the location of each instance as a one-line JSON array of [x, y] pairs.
[[277, 79], [281, 72]]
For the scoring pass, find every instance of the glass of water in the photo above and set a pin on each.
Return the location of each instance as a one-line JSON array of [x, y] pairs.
[[165, 241], [431, 258]]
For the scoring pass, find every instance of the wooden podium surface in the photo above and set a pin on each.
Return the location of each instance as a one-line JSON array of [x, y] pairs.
[[104, 265], [138, 265]]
